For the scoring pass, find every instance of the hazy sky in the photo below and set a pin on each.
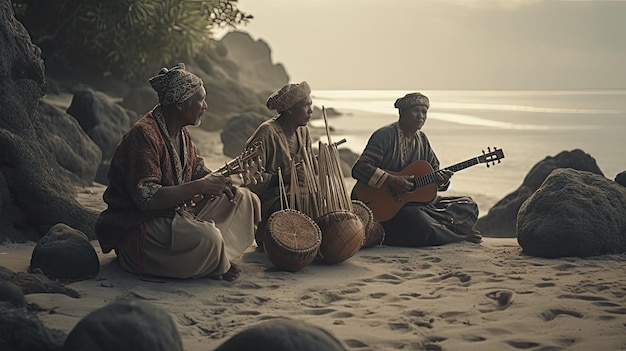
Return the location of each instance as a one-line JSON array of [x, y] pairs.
[[445, 44]]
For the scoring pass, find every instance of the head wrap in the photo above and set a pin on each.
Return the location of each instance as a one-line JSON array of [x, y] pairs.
[[175, 85], [411, 99], [287, 96]]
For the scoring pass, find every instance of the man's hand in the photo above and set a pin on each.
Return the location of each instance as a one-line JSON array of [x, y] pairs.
[[443, 176], [218, 185], [401, 184]]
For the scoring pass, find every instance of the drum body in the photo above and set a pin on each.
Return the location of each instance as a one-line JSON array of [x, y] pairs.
[[342, 235], [292, 240], [374, 232]]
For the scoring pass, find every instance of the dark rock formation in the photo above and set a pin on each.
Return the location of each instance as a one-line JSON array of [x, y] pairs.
[[104, 122], [237, 131], [283, 334], [254, 59], [65, 253], [45, 153], [35, 283], [11, 294], [21, 330], [501, 219], [125, 325], [238, 75], [621, 178], [573, 213]]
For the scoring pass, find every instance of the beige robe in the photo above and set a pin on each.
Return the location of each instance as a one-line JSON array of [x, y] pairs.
[[178, 248]]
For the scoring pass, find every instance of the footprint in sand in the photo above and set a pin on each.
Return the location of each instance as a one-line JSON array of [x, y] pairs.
[[544, 285], [463, 277], [612, 307], [318, 311], [553, 313], [385, 278], [498, 300], [520, 344]]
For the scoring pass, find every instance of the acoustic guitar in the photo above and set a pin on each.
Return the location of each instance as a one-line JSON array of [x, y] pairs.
[[385, 202]]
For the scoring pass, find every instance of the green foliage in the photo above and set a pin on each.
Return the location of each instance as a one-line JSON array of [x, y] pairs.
[[129, 39]]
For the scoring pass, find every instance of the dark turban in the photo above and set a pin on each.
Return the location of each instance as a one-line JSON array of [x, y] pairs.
[[175, 85], [411, 99], [287, 96]]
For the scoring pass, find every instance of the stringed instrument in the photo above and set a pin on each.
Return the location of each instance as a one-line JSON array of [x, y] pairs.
[[385, 202], [239, 165]]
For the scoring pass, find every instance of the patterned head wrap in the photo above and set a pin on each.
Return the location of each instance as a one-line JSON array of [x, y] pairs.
[[411, 99], [175, 85], [287, 96]]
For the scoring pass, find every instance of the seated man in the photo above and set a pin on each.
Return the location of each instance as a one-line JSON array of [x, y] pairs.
[[391, 149], [155, 172], [283, 138]]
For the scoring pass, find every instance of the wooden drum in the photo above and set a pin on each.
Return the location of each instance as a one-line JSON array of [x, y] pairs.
[[374, 232], [342, 235], [292, 239]]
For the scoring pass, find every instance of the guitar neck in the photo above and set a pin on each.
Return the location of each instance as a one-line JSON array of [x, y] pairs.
[[432, 177]]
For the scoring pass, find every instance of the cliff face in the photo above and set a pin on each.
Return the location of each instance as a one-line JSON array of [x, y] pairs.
[[254, 58], [43, 151]]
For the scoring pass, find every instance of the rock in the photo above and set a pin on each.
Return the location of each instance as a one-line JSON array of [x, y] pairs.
[[254, 58], [140, 100], [238, 130], [501, 219], [21, 330], [65, 253], [282, 334], [11, 294], [125, 325], [104, 121], [45, 153], [621, 178], [573, 213], [35, 283]]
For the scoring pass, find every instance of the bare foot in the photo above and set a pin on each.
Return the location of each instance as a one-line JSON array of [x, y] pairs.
[[474, 236], [232, 274]]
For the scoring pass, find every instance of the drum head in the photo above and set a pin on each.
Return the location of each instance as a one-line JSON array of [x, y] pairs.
[[292, 239]]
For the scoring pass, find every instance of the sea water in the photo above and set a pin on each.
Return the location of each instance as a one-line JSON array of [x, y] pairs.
[[527, 125]]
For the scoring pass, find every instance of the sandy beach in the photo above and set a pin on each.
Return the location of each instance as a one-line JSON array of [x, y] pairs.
[[461, 296]]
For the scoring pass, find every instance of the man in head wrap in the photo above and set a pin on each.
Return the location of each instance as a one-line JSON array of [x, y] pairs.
[[284, 138], [382, 169], [155, 172]]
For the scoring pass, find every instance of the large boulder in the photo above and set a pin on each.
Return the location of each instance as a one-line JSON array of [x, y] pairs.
[[501, 218], [283, 334], [21, 330], [104, 121], [573, 213], [125, 325], [65, 253], [45, 153]]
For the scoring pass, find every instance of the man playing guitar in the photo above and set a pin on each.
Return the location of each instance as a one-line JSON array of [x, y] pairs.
[[398, 177]]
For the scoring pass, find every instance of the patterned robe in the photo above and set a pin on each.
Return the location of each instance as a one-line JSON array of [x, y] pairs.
[[444, 220], [147, 241]]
